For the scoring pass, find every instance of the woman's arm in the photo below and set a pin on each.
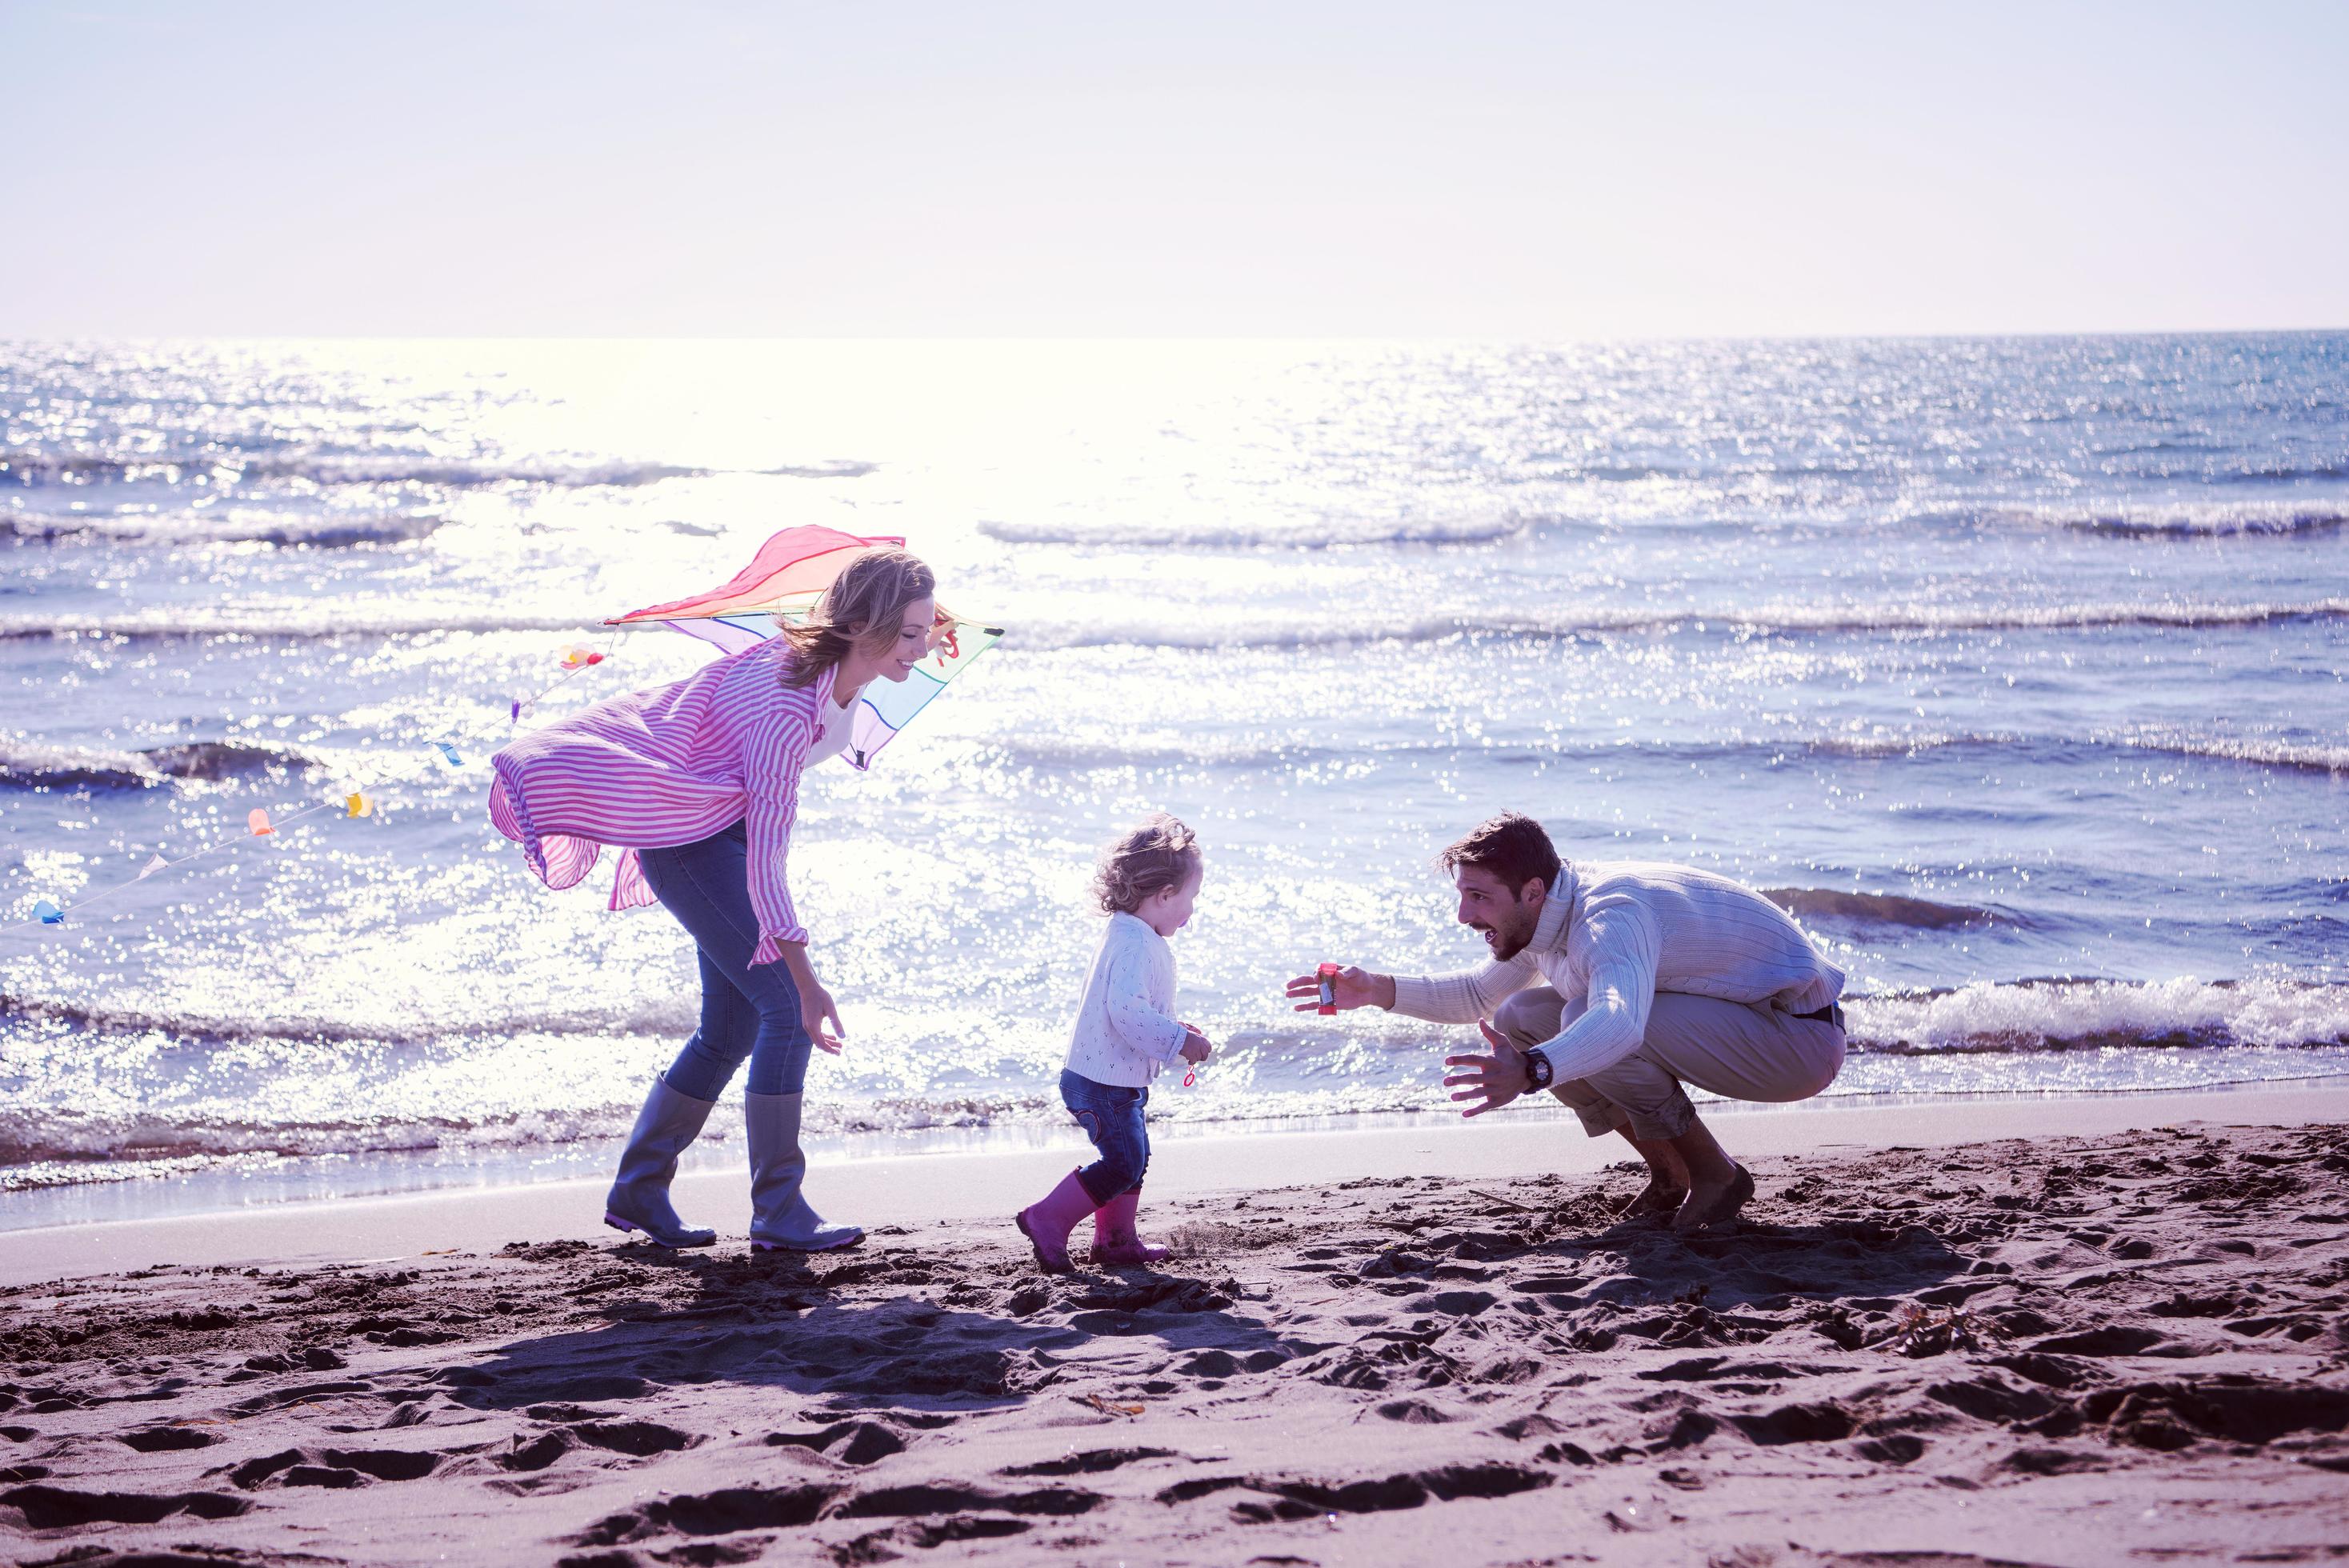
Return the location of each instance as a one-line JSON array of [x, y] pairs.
[[773, 756], [816, 1006]]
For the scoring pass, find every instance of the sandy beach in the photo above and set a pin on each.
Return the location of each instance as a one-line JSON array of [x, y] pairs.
[[2127, 1342], [924, 626]]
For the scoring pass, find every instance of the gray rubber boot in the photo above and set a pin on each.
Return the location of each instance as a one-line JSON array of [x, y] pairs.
[[639, 1197], [781, 1220]]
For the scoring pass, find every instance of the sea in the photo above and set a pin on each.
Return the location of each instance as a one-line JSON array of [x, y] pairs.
[[2012, 667]]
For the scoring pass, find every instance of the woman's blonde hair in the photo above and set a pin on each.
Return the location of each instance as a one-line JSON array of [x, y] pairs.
[[1161, 853], [864, 607]]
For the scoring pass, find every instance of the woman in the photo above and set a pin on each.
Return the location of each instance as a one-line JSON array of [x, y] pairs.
[[699, 780]]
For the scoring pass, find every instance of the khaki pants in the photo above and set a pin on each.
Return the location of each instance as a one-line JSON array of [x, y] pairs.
[[1724, 1047]]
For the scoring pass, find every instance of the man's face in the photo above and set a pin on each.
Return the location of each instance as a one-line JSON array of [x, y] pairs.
[[1487, 905]]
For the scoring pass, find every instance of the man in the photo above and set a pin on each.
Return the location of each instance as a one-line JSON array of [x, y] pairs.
[[1658, 975]]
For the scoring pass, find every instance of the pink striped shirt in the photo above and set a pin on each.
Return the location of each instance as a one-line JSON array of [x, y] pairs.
[[656, 768]]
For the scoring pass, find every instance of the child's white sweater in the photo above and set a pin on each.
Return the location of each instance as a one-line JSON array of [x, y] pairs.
[[1126, 1033]]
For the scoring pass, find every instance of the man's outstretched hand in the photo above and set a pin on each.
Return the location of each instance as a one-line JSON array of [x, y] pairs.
[[1352, 986], [1491, 1082]]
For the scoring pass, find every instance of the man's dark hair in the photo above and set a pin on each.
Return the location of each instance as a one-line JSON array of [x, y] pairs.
[[1512, 847]]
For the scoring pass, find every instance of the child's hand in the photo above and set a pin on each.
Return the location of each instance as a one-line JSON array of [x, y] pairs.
[[1195, 1047]]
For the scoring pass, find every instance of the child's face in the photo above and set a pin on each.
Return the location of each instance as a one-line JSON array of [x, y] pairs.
[[1168, 909]]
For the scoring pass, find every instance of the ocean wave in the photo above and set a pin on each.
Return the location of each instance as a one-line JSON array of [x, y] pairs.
[[848, 469], [287, 533], [1318, 536], [66, 1146], [1132, 748], [38, 469], [34, 469], [2258, 473], [2116, 518], [2290, 756], [659, 1015], [213, 761], [27, 765], [2101, 1014], [2293, 756], [1777, 620], [325, 621], [54, 1146], [2188, 519], [1124, 749], [48, 1144], [1626, 473], [316, 623], [1880, 909]]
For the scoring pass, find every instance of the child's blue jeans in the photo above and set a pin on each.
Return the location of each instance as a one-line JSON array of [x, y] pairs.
[[1112, 1117], [746, 1010]]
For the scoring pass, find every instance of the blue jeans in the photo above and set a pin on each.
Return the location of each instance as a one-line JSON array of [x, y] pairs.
[[1112, 1117], [745, 1012]]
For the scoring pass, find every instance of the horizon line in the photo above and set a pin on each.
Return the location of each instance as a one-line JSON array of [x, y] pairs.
[[1480, 339]]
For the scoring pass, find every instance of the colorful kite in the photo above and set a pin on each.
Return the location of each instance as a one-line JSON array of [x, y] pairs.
[[783, 584]]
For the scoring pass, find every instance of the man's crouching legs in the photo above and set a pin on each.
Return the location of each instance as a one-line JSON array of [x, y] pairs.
[[1718, 1186], [1536, 1017]]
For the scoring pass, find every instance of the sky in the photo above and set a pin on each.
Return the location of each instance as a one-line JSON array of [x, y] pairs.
[[1544, 171]]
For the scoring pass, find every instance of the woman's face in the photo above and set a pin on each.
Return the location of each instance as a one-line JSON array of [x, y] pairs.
[[918, 632]]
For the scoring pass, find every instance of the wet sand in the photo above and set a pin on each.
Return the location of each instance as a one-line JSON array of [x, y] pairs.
[[2131, 1347]]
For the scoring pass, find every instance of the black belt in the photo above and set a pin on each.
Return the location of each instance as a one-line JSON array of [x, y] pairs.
[[1830, 1014]]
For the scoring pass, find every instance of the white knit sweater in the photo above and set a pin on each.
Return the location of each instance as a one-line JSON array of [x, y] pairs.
[[1125, 1032], [1617, 933]]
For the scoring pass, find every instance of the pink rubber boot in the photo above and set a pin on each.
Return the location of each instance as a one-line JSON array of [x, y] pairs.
[[1115, 1240], [1047, 1224]]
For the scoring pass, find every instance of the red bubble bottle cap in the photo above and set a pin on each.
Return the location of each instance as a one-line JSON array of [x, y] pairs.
[[1327, 974]]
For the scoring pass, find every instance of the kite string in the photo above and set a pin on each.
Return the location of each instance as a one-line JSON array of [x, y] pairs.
[[150, 869], [524, 705], [354, 777]]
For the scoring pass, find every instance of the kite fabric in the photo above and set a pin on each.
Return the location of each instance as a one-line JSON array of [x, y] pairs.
[[783, 584]]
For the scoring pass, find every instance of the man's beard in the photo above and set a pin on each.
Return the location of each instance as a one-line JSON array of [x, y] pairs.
[[1511, 941]]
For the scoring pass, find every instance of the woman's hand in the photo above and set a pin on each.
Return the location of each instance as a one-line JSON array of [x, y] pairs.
[[1352, 986], [817, 1009], [816, 1006]]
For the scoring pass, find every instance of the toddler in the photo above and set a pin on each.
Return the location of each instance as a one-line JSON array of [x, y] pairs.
[[1125, 1035]]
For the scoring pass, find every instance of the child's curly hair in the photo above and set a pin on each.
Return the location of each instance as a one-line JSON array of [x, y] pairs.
[[1161, 853]]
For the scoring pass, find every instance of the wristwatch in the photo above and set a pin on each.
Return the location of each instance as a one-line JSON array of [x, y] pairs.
[[1537, 1071]]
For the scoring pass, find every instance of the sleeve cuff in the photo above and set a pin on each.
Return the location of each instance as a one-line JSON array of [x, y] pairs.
[[770, 948], [1415, 997]]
